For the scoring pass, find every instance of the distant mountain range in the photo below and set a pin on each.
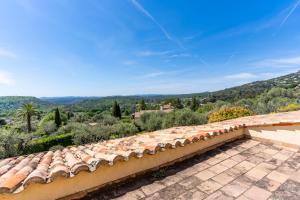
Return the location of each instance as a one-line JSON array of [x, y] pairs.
[[66, 100], [250, 90]]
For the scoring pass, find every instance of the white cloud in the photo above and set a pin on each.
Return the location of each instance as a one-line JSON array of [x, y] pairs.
[[6, 78], [129, 62], [246, 76], [153, 75], [152, 53], [279, 62], [241, 76], [165, 74], [180, 55], [287, 61], [6, 53]]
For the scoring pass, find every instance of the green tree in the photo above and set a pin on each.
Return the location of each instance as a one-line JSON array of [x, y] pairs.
[[70, 115], [116, 111], [178, 104], [57, 118], [2, 122], [194, 104], [26, 112], [142, 105]]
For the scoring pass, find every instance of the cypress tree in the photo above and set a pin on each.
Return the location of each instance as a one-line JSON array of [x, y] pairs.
[[142, 105], [178, 104], [116, 110], [57, 118], [119, 112], [69, 115], [194, 104]]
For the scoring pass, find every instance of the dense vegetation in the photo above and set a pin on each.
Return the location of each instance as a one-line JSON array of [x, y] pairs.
[[29, 124]]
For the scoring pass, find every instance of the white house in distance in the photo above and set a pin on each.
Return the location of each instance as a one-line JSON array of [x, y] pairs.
[[163, 108]]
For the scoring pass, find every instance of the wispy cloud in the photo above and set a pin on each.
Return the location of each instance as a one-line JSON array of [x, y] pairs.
[[241, 76], [278, 62], [6, 78], [145, 12], [290, 13], [6, 53], [288, 61], [165, 74], [180, 55], [153, 75], [248, 76], [129, 62], [147, 53]]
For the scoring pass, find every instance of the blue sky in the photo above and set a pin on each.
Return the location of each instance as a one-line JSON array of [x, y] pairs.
[[125, 47]]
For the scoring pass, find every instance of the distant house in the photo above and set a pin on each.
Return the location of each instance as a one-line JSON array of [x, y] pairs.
[[166, 108], [93, 124], [163, 108]]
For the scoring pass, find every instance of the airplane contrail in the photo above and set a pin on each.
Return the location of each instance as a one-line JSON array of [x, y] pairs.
[[290, 13]]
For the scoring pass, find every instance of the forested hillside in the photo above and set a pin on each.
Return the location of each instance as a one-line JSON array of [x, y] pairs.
[[252, 90], [66, 100], [9, 104]]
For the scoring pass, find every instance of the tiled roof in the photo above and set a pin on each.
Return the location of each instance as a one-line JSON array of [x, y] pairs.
[[18, 172]]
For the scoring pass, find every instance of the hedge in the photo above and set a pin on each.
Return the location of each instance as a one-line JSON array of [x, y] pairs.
[[44, 144]]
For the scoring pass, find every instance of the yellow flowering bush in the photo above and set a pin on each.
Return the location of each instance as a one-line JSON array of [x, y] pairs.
[[289, 107], [229, 113]]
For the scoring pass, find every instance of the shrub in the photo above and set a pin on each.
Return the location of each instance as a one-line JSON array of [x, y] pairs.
[[158, 120], [43, 144], [187, 117], [154, 123], [205, 108], [229, 113], [123, 130], [88, 134], [108, 120], [56, 147], [289, 107], [104, 119], [169, 120], [70, 127], [8, 144], [80, 117], [151, 121], [49, 127]]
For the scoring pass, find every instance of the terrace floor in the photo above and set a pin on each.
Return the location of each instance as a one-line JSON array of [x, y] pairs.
[[243, 169]]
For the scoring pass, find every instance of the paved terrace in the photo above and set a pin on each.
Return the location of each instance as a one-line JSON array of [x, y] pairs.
[[244, 170]]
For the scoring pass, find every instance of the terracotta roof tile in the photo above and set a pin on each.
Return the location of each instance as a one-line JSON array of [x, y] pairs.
[[18, 172]]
